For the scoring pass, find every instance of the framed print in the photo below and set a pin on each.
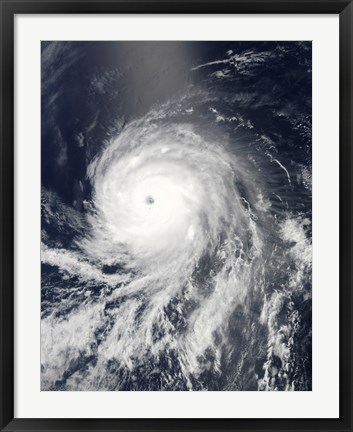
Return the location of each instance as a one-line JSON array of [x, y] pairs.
[[176, 215]]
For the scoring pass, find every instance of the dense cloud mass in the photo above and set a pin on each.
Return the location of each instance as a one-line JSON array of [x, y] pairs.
[[176, 216]]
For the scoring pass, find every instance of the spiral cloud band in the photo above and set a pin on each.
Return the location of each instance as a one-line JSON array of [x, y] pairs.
[[163, 199]]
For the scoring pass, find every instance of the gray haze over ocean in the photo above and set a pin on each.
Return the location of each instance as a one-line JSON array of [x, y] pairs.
[[176, 216]]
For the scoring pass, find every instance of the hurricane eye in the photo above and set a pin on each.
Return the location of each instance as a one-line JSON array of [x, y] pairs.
[[149, 200]]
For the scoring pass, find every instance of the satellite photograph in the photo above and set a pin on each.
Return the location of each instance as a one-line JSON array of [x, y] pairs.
[[176, 216]]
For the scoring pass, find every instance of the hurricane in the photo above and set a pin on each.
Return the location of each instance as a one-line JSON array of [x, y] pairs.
[[180, 259]]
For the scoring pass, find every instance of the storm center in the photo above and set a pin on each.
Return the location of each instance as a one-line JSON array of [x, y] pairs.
[[149, 200]]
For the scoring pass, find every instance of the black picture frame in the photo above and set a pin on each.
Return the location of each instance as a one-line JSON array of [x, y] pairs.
[[8, 10]]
